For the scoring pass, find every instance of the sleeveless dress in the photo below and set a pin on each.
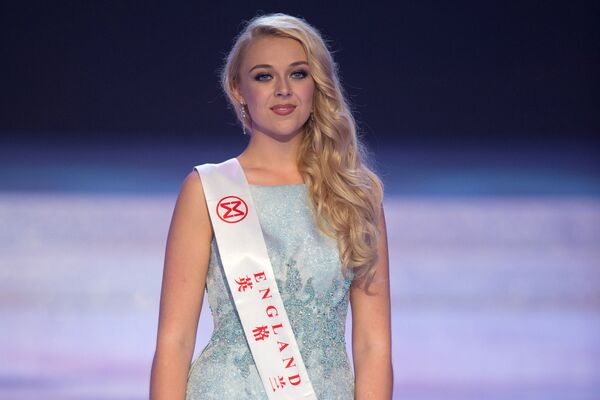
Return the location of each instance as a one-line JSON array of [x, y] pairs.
[[314, 291]]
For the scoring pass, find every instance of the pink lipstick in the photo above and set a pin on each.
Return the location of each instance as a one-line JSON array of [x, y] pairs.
[[283, 109]]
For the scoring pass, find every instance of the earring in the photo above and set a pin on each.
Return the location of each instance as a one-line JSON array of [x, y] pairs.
[[243, 112]]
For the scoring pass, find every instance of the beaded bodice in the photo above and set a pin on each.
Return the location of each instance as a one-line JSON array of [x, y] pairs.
[[313, 289]]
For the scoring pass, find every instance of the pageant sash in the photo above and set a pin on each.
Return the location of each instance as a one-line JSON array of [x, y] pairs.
[[252, 282]]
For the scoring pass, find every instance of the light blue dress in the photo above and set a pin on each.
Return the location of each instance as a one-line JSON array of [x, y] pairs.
[[315, 294]]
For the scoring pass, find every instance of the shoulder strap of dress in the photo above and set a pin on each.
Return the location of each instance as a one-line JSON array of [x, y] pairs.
[[252, 283]]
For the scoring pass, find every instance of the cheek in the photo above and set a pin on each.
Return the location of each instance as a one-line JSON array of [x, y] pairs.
[[307, 95], [259, 96], [250, 92], [255, 99]]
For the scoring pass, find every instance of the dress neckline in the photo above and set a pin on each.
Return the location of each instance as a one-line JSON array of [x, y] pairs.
[[276, 186], [265, 186]]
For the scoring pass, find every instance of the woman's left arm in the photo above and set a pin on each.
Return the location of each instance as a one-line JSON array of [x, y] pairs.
[[371, 330]]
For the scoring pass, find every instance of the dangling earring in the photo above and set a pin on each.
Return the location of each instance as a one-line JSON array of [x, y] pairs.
[[243, 112]]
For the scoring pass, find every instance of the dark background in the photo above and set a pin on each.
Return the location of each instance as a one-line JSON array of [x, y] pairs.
[[508, 81]]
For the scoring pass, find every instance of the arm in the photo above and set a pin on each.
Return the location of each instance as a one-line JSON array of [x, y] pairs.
[[184, 277], [371, 330]]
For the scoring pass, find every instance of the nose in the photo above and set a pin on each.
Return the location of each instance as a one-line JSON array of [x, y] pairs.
[[283, 89]]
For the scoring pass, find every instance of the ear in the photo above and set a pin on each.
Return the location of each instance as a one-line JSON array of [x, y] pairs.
[[237, 95]]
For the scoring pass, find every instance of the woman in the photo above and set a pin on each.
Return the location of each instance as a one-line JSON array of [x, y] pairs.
[[321, 216]]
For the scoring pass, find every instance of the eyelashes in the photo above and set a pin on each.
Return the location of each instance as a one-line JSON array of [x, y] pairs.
[[300, 74], [263, 76]]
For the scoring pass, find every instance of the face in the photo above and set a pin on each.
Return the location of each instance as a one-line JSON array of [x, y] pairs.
[[276, 85]]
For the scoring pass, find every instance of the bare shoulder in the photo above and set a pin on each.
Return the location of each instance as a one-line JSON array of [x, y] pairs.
[[192, 191], [192, 184], [190, 209], [186, 264]]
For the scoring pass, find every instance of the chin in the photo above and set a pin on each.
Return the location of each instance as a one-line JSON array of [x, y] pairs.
[[283, 131]]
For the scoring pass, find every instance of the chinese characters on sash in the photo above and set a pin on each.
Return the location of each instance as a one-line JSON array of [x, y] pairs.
[[257, 287]]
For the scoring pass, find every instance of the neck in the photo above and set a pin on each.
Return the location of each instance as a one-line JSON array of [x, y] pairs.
[[263, 152]]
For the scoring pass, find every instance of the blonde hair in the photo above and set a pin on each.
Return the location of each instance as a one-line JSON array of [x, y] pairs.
[[345, 194]]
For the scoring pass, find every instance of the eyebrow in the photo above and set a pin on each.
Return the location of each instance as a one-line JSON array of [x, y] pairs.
[[294, 64]]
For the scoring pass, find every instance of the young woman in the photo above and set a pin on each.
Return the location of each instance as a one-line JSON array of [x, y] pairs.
[[320, 211]]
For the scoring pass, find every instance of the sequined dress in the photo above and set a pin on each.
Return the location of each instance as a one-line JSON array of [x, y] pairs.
[[315, 294]]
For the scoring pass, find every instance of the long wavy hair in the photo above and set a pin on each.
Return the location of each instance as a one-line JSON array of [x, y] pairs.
[[345, 194]]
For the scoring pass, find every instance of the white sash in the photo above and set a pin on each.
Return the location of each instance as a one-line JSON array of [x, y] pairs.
[[252, 282]]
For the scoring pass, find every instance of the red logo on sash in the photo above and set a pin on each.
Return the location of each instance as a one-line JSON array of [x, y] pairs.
[[232, 209]]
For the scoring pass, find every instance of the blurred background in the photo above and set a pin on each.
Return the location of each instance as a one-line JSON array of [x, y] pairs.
[[482, 119]]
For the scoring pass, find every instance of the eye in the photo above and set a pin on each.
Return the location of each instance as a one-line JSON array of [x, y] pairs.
[[262, 76], [299, 74]]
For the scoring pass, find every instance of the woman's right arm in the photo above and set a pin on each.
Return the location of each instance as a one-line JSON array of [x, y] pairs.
[[184, 276]]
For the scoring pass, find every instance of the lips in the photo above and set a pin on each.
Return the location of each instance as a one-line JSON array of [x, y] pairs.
[[283, 109]]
